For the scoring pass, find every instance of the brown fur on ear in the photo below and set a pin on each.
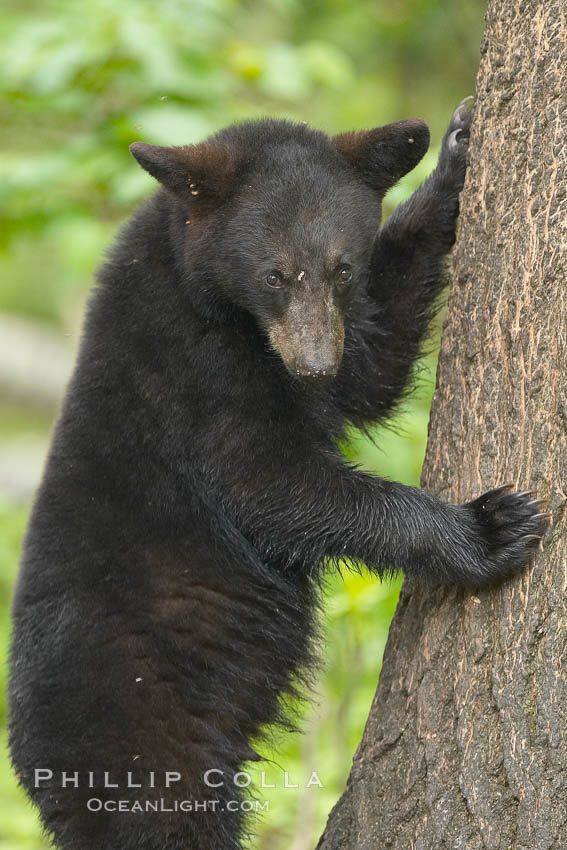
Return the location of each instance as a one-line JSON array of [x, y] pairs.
[[203, 173], [384, 154]]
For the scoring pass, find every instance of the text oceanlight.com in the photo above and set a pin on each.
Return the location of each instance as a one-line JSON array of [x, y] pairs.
[[95, 804]]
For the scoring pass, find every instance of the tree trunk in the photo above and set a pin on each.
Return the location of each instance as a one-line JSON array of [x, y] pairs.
[[466, 744]]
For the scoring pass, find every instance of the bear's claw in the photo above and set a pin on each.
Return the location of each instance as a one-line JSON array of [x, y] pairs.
[[453, 157], [459, 127]]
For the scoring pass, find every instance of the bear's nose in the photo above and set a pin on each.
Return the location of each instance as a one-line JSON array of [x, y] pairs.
[[317, 374]]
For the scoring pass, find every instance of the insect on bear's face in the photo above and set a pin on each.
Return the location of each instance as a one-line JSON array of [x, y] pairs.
[[293, 216]]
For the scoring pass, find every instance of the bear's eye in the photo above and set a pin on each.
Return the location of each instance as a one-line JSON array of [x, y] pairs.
[[274, 280], [345, 274]]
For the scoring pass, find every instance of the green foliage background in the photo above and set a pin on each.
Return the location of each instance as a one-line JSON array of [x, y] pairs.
[[80, 82]]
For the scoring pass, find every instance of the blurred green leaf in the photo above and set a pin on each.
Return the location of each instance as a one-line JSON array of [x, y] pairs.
[[169, 124], [328, 66]]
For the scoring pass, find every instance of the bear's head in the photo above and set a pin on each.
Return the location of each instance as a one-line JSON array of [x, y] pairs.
[[284, 219]]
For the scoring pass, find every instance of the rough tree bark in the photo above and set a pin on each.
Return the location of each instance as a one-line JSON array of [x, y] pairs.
[[466, 744]]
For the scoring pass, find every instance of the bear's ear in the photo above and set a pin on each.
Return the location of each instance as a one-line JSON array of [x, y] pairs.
[[202, 173], [384, 154]]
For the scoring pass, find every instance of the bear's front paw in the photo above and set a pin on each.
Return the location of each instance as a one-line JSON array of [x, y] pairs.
[[510, 526], [453, 157], [458, 131]]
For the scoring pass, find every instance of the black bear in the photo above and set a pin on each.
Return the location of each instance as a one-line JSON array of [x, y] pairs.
[[194, 489]]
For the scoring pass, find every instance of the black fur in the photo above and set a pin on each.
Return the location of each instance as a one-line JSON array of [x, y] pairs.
[[194, 488]]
